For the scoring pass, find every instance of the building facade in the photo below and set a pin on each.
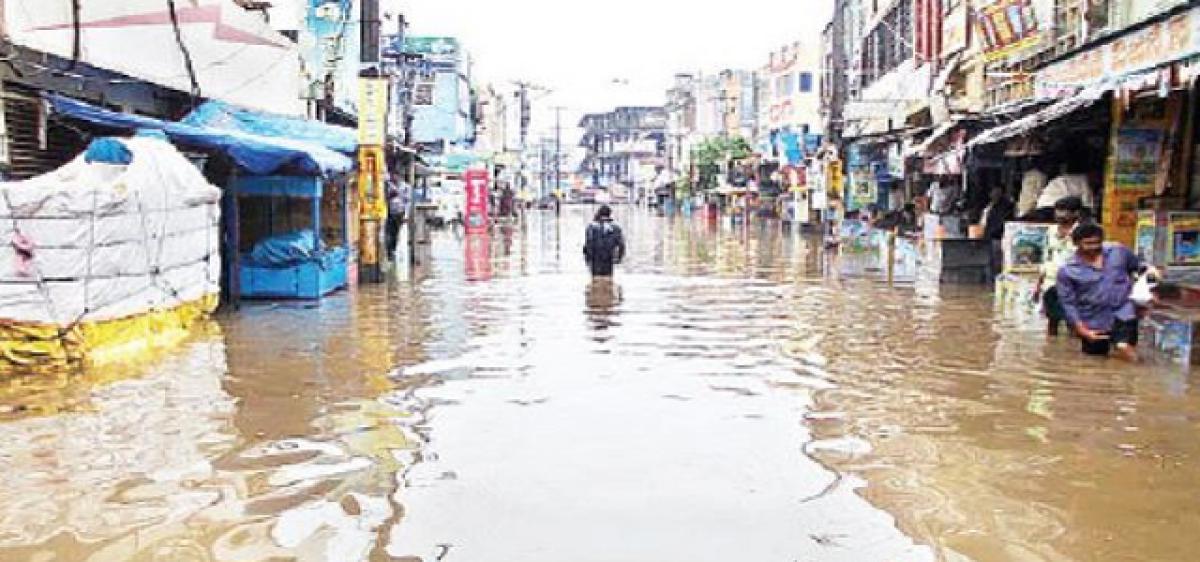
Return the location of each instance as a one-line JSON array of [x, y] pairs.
[[624, 146], [793, 125], [681, 111], [978, 93]]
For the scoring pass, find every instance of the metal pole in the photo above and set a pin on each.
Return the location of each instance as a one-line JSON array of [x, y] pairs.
[[891, 255], [557, 150]]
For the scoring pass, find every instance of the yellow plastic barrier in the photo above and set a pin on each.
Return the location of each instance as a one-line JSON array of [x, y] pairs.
[[32, 347]]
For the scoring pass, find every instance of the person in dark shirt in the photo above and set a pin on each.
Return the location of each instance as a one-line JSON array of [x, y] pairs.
[[999, 211], [1093, 289], [604, 245]]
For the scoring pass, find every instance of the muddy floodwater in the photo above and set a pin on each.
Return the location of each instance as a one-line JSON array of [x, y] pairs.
[[734, 394]]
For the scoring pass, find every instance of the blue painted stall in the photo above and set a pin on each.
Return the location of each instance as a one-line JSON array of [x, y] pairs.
[[275, 157], [291, 265]]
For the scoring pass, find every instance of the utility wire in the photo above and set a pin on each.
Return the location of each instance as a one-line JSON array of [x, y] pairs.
[[187, 55]]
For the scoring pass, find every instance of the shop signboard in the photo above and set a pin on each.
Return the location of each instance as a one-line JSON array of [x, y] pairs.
[[1006, 27], [1150, 241], [895, 161], [1138, 152], [834, 181], [372, 111], [954, 30], [477, 190], [855, 156], [435, 49], [862, 186], [1163, 42], [1183, 236]]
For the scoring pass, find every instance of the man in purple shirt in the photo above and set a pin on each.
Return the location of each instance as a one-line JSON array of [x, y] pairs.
[[1094, 287]]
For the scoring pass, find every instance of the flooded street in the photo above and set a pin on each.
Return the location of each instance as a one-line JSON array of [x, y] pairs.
[[733, 394]]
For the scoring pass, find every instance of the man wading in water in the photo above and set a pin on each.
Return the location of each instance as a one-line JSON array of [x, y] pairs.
[[1094, 288], [604, 245]]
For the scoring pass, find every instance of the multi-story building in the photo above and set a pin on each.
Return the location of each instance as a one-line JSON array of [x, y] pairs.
[[681, 123], [710, 106], [834, 75], [492, 130], [623, 146], [793, 112], [328, 34], [738, 103]]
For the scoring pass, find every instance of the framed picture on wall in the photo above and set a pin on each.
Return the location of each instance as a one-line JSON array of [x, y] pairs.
[[1183, 236], [1024, 246]]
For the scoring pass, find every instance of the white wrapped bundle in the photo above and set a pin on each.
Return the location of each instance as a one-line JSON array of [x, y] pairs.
[[91, 242]]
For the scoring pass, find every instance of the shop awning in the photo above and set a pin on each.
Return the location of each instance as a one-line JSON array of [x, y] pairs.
[[258, 155], [1046, 115], [922, 148], [225, 117], [943, 76]]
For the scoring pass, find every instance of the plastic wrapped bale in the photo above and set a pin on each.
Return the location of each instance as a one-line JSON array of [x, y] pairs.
[[106, 259]]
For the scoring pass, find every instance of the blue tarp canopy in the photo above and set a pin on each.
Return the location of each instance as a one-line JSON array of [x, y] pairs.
[[220, 115], [255, 154]]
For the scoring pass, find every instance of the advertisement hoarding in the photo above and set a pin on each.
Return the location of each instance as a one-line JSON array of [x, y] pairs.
[[477, 191]]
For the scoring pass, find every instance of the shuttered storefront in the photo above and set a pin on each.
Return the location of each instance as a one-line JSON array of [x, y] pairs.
[[36, 144]]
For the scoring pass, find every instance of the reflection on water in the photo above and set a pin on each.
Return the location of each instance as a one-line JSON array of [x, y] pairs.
[[735, 393], [603, 300]]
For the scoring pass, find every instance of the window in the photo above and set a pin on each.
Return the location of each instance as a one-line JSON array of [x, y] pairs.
[[806, 85], [423, 94], [783, 85]]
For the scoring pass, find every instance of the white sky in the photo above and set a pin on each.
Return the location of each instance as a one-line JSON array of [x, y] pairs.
[[578, 47]]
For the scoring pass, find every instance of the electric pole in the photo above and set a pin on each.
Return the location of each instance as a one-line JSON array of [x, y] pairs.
[[557, 150], [525, 116]]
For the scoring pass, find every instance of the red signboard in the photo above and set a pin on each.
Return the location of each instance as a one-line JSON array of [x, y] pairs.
[[476, 212]]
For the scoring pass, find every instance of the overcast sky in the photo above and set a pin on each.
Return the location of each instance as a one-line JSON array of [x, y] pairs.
[[579, 47]]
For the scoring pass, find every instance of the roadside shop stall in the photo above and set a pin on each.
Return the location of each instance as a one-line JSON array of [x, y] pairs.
[[273, 248]]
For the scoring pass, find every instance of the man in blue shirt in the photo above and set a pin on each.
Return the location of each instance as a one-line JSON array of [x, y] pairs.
[[1094, 287]]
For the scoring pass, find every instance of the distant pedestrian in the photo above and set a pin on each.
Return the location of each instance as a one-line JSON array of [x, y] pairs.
[[1094, 288], [397, 203], [999, 211], [604, 245]]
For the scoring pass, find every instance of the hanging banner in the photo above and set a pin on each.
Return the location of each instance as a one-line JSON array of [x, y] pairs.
[[1006, 27], [476, 192], [372, 111]]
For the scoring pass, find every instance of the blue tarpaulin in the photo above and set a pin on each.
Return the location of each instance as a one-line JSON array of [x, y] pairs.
[[255, 154], [285, 249], [225, 117], [792, 149], [108, 150]]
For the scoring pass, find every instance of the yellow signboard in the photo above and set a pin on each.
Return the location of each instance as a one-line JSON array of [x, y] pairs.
[[834, 187], [372, 111]]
